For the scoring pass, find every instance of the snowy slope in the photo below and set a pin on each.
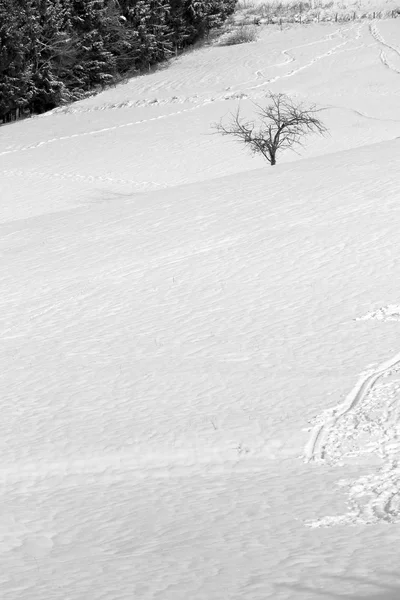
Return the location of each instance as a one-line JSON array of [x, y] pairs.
[[176, 318]]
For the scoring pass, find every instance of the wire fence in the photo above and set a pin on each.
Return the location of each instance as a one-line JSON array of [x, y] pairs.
[[304, 12]]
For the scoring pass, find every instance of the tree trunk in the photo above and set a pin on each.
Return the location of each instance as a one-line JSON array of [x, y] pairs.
[[273, 161]]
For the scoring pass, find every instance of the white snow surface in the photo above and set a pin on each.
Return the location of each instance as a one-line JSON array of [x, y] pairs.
[[198, 397]]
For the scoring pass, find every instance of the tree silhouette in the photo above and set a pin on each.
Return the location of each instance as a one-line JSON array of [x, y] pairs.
[[280, 125]]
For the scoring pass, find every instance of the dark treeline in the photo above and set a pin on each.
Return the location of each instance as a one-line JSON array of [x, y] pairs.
[[55, 51]]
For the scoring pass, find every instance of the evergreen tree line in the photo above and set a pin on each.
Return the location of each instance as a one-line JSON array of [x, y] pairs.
[[55, 51]]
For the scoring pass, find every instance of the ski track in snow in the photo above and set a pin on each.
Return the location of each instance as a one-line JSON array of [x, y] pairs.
[[222, 97], [370, 410], [315, 449]]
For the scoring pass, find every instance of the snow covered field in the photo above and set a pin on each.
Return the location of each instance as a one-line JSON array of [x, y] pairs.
[[200, 376]]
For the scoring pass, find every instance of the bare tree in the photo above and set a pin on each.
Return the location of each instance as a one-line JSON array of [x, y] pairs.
[[280, 125]]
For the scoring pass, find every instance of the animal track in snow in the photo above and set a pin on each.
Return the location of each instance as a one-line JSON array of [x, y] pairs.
[[289, 58], [73, 109], [142, 185], [379, 38], [310, 63], [384, 59], [383, 56], [94, 132]]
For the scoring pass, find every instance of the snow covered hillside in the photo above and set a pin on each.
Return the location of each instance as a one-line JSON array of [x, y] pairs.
[[200, 359]]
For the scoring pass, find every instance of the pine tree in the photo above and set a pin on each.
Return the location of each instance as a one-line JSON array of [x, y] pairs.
[[149, 20], [205, 15], [95, 64], [52, 51], [48, 26], [14, 68]]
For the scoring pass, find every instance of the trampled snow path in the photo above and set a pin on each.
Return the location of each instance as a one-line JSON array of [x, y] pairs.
[[326, 431], [366, 423], [390, 312], [372, 499]]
